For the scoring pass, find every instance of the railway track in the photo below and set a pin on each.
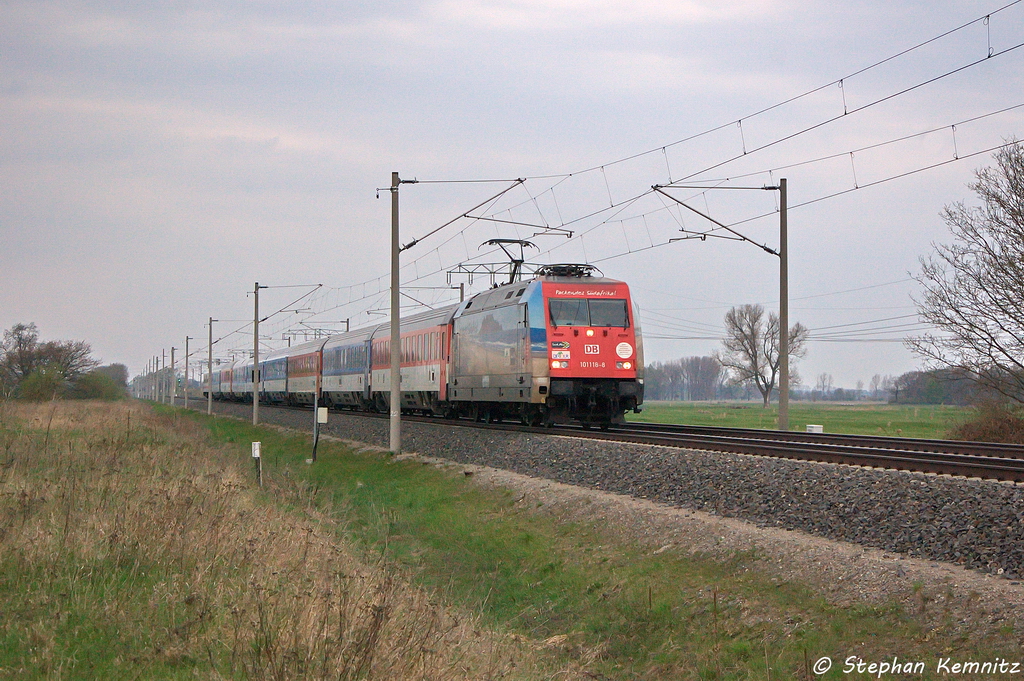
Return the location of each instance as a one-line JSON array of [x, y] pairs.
[[967, 459]]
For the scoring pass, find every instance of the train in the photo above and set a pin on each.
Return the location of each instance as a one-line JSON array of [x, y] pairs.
[[562, 347]]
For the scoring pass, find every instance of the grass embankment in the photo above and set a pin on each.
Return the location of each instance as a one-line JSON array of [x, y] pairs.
[[149, 554], [134, 546], [612, 605], [920, 421]]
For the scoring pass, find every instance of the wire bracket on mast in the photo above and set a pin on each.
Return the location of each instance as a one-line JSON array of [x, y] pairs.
[[703, 235]]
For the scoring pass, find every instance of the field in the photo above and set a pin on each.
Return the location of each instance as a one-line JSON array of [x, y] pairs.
[[134, 543], [920, 421]]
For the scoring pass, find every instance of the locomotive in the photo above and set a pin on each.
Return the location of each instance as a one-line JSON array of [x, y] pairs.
[[563, 347]]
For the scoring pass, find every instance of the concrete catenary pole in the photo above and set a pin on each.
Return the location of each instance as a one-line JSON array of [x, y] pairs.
[[187, 339], [783, 309], [396, 332], [174, 376], [209, 372], [256, 355]]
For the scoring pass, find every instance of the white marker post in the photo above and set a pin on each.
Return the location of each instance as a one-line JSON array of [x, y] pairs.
[[321, 419], [258, 461]]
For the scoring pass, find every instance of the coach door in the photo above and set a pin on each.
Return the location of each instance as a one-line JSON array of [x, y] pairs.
[[523, 342]]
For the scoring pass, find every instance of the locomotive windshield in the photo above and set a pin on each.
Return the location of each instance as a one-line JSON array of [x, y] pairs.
[[608, 313], [588, 312]]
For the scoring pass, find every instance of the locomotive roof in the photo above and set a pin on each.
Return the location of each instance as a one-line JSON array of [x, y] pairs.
[[584, 281], [498, 296], [507, 294]]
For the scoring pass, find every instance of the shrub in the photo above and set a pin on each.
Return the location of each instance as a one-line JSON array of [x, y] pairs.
[[44, 383], [993, 422], [96, 386]]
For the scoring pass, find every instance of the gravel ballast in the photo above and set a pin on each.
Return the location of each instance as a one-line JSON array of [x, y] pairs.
[[975, 523]]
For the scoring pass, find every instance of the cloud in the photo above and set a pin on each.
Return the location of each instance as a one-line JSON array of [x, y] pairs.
[[557, 15]]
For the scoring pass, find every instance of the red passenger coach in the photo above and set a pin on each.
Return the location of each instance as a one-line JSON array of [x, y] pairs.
[[423, 362], [304, 372]]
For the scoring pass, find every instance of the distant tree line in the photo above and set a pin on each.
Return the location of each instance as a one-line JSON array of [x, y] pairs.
[[937, 386], [705, 379], [688, 378], [35, 370]]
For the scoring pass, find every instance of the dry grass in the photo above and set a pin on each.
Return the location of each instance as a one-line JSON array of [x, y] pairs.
[[130, 546]]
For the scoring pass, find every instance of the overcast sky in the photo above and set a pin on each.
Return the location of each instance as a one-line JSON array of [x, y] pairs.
[[156, 159]]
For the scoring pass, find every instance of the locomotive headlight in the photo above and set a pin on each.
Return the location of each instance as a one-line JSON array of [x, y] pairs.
[[590, 332], [556, 364], [623, 365]]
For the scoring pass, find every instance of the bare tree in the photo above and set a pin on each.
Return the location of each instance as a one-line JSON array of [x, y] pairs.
[[70, 358], [825, 385], [19, 351], [22, 356], [974, 288], [876, 386], [752, 347]]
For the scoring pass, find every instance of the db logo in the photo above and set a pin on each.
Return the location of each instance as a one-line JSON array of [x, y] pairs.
[[591, 349]]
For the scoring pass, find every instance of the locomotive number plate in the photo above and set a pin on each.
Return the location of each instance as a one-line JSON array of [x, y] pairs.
[[592, 365]]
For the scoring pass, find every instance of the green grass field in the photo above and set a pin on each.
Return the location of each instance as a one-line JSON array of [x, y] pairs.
[[921, 421]]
